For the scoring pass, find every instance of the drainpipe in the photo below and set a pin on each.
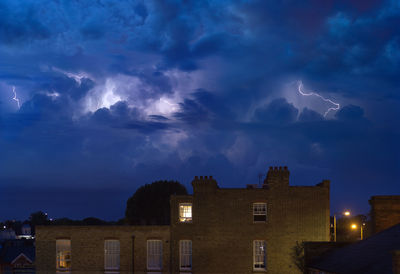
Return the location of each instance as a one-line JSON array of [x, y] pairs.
[[133, 253]]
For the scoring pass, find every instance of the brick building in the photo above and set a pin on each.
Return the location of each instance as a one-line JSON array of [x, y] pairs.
[[101, 249], [215, 230], [385, 212]]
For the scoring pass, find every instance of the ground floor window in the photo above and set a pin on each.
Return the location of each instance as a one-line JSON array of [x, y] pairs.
[[185, 254], [154, 254], [259, 255], [111, 254]]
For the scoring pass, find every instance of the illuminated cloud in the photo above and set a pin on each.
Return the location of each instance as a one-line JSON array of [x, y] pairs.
[[122, 93]]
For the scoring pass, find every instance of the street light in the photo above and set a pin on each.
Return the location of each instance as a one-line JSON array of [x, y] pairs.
[[354, 226], [345, 213]]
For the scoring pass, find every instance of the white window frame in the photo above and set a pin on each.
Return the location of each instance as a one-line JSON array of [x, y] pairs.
[[185, 212], [259, 255], [259, 209], [63, 254], [185, 254], [155, 250], [112, 249]]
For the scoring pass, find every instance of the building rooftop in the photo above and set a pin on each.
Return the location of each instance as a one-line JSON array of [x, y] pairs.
[[372, 255]]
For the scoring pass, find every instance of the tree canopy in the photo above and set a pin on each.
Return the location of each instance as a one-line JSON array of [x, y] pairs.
[[150, 205]]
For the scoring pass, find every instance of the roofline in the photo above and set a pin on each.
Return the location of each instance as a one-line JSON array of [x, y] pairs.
[[21, 254]]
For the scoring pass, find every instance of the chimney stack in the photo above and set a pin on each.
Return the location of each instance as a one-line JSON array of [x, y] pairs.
[[277, 177]]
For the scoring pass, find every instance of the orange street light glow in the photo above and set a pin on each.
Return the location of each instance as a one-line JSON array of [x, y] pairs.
[[354, 226], [346, 213]]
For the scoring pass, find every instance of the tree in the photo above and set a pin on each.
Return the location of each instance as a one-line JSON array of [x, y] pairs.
[[150, 203], [298, 256], [38, 218]]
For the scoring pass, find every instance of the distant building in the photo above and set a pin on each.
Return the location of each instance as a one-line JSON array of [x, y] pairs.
[[215, 230], [385, 212], [378, 254], [7, 234], [25, 232], [17, 256]]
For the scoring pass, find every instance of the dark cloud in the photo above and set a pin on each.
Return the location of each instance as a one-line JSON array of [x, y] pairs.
[[308, 115], [279, 111], [121, 93]]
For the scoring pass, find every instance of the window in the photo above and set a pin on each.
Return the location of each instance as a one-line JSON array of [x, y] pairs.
[[63, 254], [185, 255], [154, 254], [111, 254], [260, 212], [259, 255], [185, 213]]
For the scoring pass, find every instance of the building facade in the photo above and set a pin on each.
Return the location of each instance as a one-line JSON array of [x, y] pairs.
[[385, 212], [102, 249], [215, 230]]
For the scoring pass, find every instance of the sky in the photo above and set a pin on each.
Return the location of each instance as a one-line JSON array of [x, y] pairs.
[[99, 97]]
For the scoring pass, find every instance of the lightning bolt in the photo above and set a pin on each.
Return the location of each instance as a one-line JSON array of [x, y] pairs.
[[15, 96], [300, 89], [170, 104]]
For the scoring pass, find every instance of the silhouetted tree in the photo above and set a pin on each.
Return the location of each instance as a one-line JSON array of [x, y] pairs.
[[150, 203], [93, 221], [298, 256], [38, 218]]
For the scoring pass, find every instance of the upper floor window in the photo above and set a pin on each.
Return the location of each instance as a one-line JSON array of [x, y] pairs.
[[185, 255], [154, 254], [260, 212], [63, 254], [185, 212], [111, 254], [259, 255]]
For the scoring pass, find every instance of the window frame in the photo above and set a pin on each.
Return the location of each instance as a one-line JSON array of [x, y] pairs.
[[187, 253], [60, 250], [114, 252], [181, 212], [260, 213], [257, 261], [160, 255]]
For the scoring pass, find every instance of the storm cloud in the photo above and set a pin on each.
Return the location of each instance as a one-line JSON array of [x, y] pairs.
[[116, 94]]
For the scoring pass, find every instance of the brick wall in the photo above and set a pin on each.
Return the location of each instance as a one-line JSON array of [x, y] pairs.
[[223, 231], [385, 212], [87, 247]]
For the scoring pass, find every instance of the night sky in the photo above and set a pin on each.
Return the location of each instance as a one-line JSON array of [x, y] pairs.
[[100, 97]]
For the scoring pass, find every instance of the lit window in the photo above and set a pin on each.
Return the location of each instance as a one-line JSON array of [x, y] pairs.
[[259, 255], [154, 254], [260, 212], [63, 254], [185, 252], [111, 254], [185, 213]]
